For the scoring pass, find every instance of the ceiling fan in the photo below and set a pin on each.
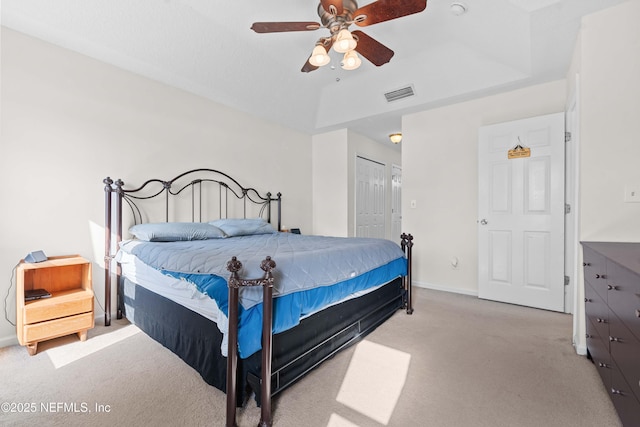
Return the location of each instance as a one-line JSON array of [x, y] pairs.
[[337, 16]]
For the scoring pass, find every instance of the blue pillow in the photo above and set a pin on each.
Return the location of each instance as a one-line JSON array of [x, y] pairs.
[[243, 227], [176, 231]]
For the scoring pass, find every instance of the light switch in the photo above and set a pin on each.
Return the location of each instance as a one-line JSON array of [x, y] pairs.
[[413, 204], [632, 194]]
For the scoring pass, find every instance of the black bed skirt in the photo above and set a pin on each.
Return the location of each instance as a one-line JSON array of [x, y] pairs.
[[196, 339]]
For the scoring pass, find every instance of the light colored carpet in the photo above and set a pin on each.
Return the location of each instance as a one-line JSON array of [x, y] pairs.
[[457, 361]]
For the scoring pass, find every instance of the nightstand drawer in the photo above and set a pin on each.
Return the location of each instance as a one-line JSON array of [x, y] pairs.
[[57, 328], [61, 304]]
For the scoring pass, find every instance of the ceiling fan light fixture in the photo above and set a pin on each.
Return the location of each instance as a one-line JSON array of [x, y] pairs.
[[319, 56], [395, 138], [351, 61], [344, 42]]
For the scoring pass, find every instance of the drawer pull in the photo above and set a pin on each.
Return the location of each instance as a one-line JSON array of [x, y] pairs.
[[600, 276], [612, 288], [599, 320], [587, 336], [637, 313], [590, 300], [614, 391], [586, 264], [614, 339], [603, 365]]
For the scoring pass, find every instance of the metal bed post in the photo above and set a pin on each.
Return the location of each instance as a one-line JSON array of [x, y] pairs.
[[235, 283], [107, 250], [406, 244], [119, 183], [279, 211]]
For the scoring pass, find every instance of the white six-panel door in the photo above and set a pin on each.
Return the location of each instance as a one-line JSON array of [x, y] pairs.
[[370, 198], [521, 213]]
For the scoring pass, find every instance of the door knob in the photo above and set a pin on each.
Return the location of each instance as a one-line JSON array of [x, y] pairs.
[[483, 221]]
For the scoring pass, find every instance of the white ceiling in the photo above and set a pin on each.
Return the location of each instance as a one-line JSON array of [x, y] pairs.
[[206, 47]]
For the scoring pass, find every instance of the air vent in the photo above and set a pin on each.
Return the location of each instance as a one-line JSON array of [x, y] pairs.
[[394, 95]]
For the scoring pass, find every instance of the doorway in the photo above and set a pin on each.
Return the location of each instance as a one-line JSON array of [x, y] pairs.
[[521, 212]]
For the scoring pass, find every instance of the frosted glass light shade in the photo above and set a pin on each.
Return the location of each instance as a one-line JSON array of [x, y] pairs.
[[344, 42], [319, 56], [351, 61]]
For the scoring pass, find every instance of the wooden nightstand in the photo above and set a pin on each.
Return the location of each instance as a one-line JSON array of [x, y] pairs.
[[68, 310]]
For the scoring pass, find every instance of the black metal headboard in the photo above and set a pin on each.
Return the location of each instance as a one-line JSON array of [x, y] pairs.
[[207, 188]]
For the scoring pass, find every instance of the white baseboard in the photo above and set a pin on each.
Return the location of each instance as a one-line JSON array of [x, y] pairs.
[[445, 288], [581, 348], [8, 341]]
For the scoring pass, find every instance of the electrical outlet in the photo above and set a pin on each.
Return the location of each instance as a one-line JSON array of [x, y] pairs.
[[632, 194]]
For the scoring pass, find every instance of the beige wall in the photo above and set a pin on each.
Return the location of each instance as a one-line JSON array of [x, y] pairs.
[[330, 194], [610, 123], [439, 168], [64, 118], [608, 64]]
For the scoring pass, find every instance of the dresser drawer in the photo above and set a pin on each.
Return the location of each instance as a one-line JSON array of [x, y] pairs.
[[595, 268], [626, 404], [624, 296], [597, 311], [61, 304], [598, 347], [625, 348], [57, 328]]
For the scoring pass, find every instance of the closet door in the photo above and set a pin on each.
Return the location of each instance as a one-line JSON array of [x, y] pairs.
[[396, 202], [370, 198]]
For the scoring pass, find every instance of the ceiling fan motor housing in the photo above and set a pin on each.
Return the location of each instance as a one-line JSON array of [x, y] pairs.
[[335, 23]]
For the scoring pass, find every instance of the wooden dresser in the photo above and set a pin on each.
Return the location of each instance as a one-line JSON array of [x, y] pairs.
[[612, 306]]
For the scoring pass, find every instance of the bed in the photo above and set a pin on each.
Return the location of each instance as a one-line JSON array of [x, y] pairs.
[[223, 287]]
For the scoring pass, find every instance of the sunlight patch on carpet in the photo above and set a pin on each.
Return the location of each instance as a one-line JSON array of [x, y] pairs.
[[337, 421], [374, 380], [69, 353]]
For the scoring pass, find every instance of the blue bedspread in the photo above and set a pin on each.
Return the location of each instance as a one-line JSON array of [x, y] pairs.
[[311, 273]]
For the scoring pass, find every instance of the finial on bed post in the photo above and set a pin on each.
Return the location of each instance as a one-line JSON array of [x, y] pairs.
[[407, 243], [107, 248]]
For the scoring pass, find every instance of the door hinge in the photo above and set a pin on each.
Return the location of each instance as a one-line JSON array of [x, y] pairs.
[[566, 280], [567, 208], [567, 136]]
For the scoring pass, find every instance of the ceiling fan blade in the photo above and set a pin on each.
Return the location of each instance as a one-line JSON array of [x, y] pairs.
[[308, 67], [278, 27], [328, 4], [377, 53], [386, 10]]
